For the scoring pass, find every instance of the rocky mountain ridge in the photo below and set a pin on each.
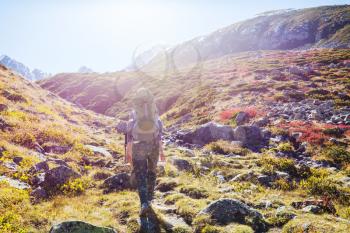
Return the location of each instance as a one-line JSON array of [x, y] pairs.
[[319, 27], [23, 70]]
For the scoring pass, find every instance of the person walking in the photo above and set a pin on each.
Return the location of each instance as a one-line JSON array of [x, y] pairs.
[[143, 150]]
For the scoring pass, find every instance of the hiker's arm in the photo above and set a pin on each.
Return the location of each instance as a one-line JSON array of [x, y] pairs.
[[161, 152], [128, 154]]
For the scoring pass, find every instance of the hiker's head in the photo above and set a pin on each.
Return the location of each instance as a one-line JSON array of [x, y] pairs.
[[142, 95]]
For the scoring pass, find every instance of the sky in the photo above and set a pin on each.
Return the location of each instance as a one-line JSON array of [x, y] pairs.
[[63, 35]]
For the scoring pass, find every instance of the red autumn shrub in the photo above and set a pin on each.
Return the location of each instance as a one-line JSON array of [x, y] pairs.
[[312, 133], [250, 110]]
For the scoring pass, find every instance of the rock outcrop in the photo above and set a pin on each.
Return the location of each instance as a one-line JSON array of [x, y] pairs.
[[207, 133]]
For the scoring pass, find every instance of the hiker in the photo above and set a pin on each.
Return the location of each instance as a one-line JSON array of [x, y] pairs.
[[144, 149]]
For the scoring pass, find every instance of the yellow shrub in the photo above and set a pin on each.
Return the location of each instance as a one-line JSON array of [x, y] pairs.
[[44, 109], [76, 186], [17, 115], [225, 147]]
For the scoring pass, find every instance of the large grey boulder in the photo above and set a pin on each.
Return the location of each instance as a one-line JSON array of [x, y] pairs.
[[58, 176], [79, 227], [225, 211], [207, 133], [249, 135]]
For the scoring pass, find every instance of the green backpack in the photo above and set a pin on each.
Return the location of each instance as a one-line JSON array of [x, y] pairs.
[[146, 123]]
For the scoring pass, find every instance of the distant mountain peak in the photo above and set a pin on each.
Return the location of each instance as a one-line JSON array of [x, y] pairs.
[[21, 69], [85, 70]]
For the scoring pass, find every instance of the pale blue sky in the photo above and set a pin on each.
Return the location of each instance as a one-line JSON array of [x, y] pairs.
[[62, 35]]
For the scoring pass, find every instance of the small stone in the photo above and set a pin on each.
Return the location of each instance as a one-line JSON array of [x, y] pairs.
[[312, 209], [17, 160]]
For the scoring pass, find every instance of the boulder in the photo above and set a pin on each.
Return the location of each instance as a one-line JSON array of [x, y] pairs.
[[37, 179], [122, 127], [17, 160], [3, 107], [58, 162], [41, 166], [312, 209], [14, 183], [225, 211], [117, 182], [99, 151], [11, 166], [56, 149], [248, 135], [4, 125], [246, 176], [79, 227], [265, 180], [58, 176], [38, 194], [326, 206], [261, 122], [284, 214], [241, 118], [182, 164], [207, 133], [166, 186], [2, 150]]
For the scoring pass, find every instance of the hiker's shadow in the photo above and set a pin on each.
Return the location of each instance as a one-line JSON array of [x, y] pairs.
[[151, 223]]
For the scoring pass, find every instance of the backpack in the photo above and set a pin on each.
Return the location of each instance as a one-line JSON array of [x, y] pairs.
[[146, 123]]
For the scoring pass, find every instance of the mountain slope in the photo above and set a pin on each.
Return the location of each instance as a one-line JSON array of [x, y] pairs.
[[49, 151]]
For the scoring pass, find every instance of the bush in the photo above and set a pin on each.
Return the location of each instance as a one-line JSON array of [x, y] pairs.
[[285, 185], [273, 164], [10, 222], [285, 147], [320, 186], [336, 154], [23, 138], [212, 229], [76, 186], [225, 147], [172, 198], [335, 132], [188, 208], [194, 192]]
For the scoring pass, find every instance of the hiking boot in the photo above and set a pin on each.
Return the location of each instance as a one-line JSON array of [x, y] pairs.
[[146, 208]]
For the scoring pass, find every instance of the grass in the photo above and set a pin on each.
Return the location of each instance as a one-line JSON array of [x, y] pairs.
[[225, 147]]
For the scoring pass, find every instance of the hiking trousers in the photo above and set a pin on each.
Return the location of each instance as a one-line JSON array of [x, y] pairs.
[[145, 157]]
